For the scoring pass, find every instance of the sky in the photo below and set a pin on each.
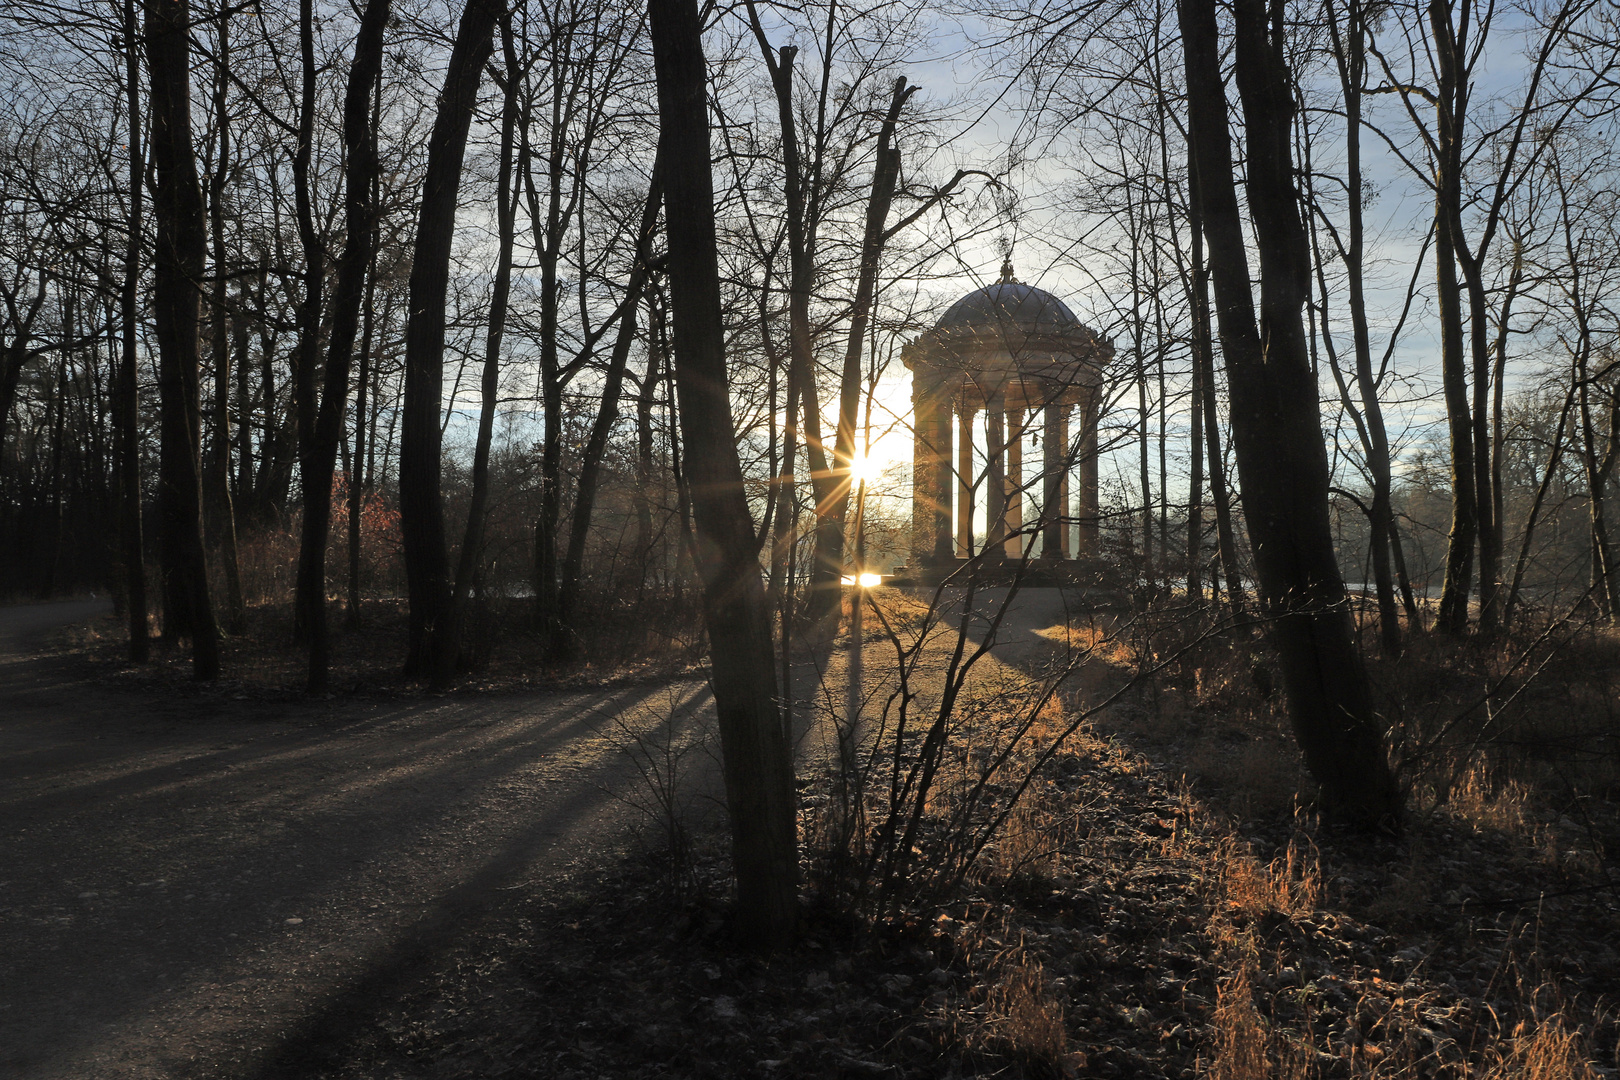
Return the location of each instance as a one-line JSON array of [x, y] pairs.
[[952, 70]]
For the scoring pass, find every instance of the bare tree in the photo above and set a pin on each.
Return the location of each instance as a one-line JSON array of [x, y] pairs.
[[132, 547], [1349, 46], [178, 261], [220, 519], [1275, 417], [420, 457], [360, 140], [1478, 163], [758, 764], [590, 470]]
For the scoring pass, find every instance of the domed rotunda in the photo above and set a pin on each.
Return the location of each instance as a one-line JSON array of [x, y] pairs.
[[1019, 355]]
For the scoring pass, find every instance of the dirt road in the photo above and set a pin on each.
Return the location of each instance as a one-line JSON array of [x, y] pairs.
[[184, 882], [190, 884], [1022, 645]]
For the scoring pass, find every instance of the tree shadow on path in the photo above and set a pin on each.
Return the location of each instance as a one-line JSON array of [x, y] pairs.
[[221, 888]]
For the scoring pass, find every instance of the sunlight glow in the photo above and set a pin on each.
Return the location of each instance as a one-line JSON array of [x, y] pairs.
[[866, 581], [865, 470]]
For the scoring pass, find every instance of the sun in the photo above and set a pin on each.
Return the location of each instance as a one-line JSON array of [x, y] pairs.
[[868, 467], [864, 470]]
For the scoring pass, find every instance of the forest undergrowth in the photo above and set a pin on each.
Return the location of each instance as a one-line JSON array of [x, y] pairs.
[[658, 636], [1160, 902]]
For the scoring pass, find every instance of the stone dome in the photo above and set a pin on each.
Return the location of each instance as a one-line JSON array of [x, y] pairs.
[[1009, 338], [1010, 305]]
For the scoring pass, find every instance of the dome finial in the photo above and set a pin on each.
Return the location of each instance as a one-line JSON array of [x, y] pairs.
[[1007, 270]]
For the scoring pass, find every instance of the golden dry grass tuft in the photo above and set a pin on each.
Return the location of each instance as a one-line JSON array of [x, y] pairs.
[[1541, 1048], [1240, 1032], [1290, 885], [1245, 1045], [1022, 1020], [1101, 641], [1489, 802], [1486, 801]]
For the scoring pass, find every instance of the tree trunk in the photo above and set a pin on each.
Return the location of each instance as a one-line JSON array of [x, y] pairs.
[[360, 143], [758, 765], [12, 360], [56, 405], [362, 430], [1598, 451], [219, 463], [242, 483], [1498, 495], [828, 560], [1554, 453], [1611, 569], [1351, 55], [420, 502], [1144, 477], [306, 359], [1490, 530], [500, 291], [885, 175], [550, 224], [1451, 98], [1220, 493], [645, 468], [1202, 360], [590, 467], [1275, 416], [179, 255], [1204, 356], [126, 412]]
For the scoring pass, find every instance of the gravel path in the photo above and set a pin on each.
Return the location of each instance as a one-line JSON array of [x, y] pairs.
[[185, 884]]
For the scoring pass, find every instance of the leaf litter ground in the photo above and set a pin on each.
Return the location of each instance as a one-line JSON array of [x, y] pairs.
[[1163, 939]]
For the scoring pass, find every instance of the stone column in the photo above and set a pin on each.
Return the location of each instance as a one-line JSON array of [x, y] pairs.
[[939, 487], [995, 476], [1066, 526], [1014, 484], [1088, 512], [930, 470], [924, 437], [1055, 483], [965, 412]]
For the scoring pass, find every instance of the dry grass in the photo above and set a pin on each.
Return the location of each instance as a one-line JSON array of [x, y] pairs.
[[1240, 1035], [1022, 1020], [1050, 723], [1487, 802], [1553, 715], [1540, 1049], [1028, 844], [1289, 885], [1246, 1046], [1098, 641], [1211, 711], [1366, 981], [905, 611]]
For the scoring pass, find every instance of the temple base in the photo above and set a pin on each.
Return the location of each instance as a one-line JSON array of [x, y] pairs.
[[1095, 577]]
